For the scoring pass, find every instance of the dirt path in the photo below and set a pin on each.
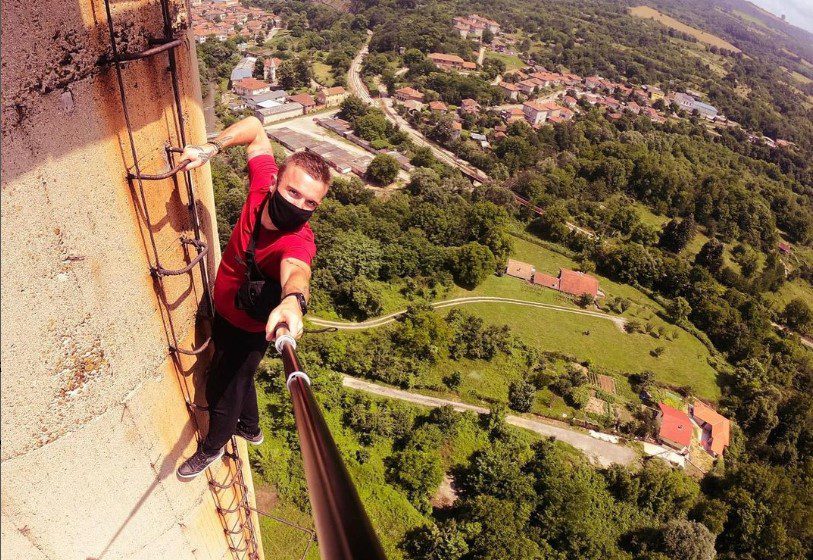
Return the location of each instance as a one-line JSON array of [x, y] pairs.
[[601, 452], [386, 319]]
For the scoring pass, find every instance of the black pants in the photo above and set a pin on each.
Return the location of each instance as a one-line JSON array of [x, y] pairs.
[[230, 390]]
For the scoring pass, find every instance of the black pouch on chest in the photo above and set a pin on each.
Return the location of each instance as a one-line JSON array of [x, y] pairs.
[[258, 294]]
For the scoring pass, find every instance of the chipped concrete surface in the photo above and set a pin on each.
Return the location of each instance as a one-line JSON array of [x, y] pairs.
[[95, 421]]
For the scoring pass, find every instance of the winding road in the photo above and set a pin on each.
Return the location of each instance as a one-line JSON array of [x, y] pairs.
[[477, 176], [604, 453], [386, 319]]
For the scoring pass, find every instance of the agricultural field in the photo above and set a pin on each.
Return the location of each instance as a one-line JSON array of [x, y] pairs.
[[650, 13]]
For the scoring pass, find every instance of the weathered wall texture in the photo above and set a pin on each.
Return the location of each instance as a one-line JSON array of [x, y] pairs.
[[94, 421]]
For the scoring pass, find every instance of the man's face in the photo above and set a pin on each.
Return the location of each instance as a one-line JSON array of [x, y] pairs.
[[300, 189]]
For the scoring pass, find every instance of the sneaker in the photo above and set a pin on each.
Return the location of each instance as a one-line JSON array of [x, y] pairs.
[[198, 463], [255, 439]]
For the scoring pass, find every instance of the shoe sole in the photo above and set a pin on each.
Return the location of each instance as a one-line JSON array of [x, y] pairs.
[[251, 441], [193, 475]]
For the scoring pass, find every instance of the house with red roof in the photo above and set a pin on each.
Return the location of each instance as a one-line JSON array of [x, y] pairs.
[[306, 100], [331, 96], [519, 269], [577, 283], [510, 90], [674, 428], [407, 94], [469, 106], [716, 428], [438, 106], [569, 281], [250, 86]]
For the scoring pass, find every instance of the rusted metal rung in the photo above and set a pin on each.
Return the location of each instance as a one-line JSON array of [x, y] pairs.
[[193, 351], [239, 549], [202, 248], [158, 176], [219, 486], [240, 505], [152, 50], [240, 528]]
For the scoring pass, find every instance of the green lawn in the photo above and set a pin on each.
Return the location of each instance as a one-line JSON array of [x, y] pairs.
[[512, 61], [322, 73], [798, 288]]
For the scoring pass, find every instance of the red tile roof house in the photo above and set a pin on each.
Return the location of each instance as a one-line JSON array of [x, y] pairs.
[[307, 101], [520, 269], [511, 90], [675, 428], [569, 281], [250, 86], [469, 106], [542, 279], [716, 428], [438, 106], [407, 94]]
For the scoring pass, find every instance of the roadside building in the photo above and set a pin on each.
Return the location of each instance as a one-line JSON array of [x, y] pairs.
[[784, 247], [438, 106], [306, 100], [527, 86], [716, 428], [276, 113], [408, 94], [331, 96], [536, 112], [674, 428], [519, 269], [511, 90], [243, 69], [577, 283], [513, 114], [448, 62], [246, 87], [265, 100]]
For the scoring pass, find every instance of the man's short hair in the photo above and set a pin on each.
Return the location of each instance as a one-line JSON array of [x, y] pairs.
[[314, 164]]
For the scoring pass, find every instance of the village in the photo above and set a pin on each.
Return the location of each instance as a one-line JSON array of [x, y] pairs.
[[690, 433]]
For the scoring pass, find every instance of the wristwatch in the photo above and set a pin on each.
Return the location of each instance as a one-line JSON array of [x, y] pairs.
[[300, 297]]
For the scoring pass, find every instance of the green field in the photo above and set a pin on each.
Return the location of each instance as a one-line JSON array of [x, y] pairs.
[[322, 73], [512, 61]]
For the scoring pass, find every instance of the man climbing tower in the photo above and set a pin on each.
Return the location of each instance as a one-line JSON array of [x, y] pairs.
[[262, 281]]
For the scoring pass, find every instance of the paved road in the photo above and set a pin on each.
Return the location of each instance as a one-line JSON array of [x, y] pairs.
[[386, 319], [601, 452], [802, 338]]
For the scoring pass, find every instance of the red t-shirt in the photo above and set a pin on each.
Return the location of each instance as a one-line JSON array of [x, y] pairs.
[[272, 246]]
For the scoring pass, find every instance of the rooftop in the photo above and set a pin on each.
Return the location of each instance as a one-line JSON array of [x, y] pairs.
[[675, 425]]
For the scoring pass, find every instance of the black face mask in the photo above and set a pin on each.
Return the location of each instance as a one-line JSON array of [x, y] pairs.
[[285, 216]]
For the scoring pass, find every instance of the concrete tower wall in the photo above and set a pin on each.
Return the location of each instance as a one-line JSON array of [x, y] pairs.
[[94, 420]]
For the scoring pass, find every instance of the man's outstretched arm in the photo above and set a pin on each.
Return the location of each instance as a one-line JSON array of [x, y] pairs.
[[248, 131], [295, 278]]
